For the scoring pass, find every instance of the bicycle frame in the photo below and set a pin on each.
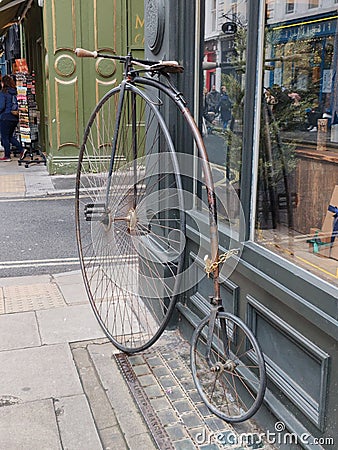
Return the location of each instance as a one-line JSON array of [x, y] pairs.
[[132, 77], [178, 99]]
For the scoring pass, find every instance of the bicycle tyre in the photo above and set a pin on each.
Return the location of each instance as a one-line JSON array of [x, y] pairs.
[[231, 386], [131, 249]]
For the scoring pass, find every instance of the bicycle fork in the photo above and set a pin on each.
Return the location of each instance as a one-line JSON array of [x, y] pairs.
[[228, 364], [100, 211]]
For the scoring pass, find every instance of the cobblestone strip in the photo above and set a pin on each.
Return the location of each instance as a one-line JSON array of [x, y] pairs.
[[177, 383], [157, 397], [164, 373], [167, 380]]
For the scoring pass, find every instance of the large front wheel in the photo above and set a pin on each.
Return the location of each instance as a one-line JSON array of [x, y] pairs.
[[130, 218], [228, 368]]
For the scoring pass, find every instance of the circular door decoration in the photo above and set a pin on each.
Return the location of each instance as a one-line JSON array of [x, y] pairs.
[[105, 67], [155, 20], [65, 65]]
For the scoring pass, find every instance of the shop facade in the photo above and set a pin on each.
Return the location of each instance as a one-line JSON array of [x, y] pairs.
[[67, 89], [286, 176], [285, 286]]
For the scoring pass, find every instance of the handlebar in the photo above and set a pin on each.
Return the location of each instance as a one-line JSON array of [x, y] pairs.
[[155, 66], [83, 53]]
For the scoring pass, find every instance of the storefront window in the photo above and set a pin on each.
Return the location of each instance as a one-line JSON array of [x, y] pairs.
[[297, 196], [223, 95]]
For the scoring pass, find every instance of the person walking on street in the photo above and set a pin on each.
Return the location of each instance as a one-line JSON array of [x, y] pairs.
[[212, 99], [8, 118], [224, 107]]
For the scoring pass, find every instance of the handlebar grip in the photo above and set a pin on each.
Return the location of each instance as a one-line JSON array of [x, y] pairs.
[[82, 53]]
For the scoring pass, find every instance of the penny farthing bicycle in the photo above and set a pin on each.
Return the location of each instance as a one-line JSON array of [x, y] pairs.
[[130, 228]]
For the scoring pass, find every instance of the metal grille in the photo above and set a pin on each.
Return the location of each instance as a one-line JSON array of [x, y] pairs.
[[158, 432]]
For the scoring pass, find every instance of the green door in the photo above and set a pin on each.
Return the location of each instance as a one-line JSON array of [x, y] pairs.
[[73, 86]]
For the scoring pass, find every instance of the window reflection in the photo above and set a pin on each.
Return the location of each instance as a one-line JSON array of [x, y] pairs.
[[223, 93], [313, 4], [297, 191], [297, 214]]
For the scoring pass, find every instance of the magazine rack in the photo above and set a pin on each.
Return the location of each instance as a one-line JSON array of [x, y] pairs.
[[29, 119]]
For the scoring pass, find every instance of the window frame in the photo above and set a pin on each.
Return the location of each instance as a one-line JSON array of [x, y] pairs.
[[295, 277], [290, 6], [313, 4]]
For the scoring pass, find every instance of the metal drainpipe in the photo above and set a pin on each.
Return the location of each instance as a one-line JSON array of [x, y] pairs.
[[22, 47]]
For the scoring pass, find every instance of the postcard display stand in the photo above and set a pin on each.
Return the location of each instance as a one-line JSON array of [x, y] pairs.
[[29, 119]]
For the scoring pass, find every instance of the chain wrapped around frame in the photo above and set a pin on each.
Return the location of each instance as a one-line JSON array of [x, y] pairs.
[[210, 266]]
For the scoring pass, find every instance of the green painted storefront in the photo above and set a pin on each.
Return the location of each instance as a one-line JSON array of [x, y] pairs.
[[68, 88]]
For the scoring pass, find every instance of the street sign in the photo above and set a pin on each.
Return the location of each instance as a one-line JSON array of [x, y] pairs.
[[229, 28]]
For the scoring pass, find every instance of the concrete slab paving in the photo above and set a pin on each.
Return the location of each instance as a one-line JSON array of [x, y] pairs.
[[99, 403], [68, 324], [57, 362], [73, 293], [29, 426], [72, 277], [38, 181], [132, 424], [19, 331], [112, 439], [2, 302], [38, 373], [108, 427], [24, 281], [76, 424]]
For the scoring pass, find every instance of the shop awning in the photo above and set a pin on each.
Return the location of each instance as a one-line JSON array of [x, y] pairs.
[[10, 11]]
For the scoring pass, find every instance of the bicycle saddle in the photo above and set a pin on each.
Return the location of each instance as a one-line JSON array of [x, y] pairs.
[[167, 67]]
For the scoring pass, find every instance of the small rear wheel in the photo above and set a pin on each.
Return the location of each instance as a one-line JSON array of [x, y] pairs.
[[229, 370]]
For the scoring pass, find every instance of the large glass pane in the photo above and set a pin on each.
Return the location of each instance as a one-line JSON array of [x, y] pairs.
[[223, 97], [297, 201]]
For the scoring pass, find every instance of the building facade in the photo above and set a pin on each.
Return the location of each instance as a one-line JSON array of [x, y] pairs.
[[67, 89], [279, 154]]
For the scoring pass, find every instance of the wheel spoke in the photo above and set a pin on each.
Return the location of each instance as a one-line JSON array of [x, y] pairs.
[[232, 382]]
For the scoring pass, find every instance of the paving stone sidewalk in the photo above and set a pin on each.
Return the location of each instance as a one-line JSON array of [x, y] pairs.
[[44, 403], [17, 181], [63, 385]]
